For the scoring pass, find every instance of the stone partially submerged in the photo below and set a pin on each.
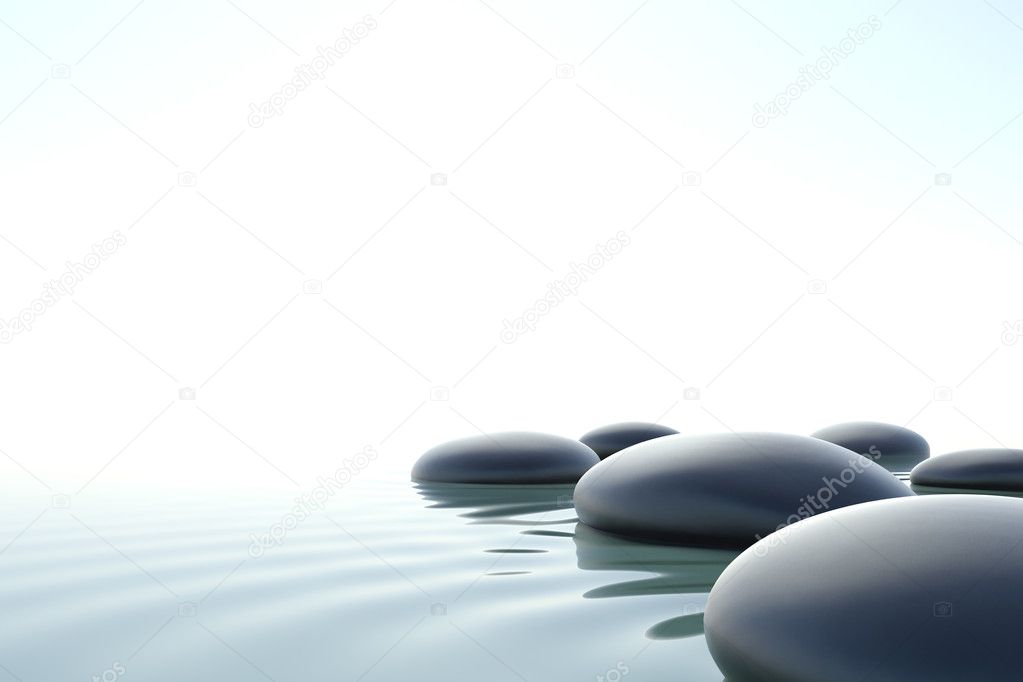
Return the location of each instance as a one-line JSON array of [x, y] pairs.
[[725, 490], [896, 448], [995, 469], [607, 440], [923, 588], [509, 457]]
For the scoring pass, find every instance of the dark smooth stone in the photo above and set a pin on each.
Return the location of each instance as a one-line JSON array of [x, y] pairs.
[[922, 588], [985, 469], [896, 448], [608, 440], [510, 457], [725, 490]]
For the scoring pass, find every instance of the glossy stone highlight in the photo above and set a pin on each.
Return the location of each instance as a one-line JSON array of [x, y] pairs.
[[921, 588], [896, 448], [509, 457], [984, 469], [725, 489], [607, 440]]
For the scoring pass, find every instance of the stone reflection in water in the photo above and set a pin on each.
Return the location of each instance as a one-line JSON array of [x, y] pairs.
[[676, 570], [487, 503], [508, 505], [669, 569]]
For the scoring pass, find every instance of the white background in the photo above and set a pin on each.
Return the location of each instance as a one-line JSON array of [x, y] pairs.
[[108, 108]]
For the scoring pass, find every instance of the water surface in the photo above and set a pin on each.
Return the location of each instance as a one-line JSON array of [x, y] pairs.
[[390, 581]]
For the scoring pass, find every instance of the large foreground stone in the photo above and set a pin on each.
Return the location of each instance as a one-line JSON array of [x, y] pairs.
[[607, 440], [896, 448], [986, 469], [923, 588], [510, 457], [725, 489]]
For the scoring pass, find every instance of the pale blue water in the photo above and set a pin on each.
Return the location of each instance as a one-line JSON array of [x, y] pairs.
[[390, 582]]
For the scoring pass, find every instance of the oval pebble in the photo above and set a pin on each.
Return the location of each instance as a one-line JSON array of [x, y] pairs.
[[921, 588], [995, 469], [896, 448], [725, 489], [508, 457], [607, 440]]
